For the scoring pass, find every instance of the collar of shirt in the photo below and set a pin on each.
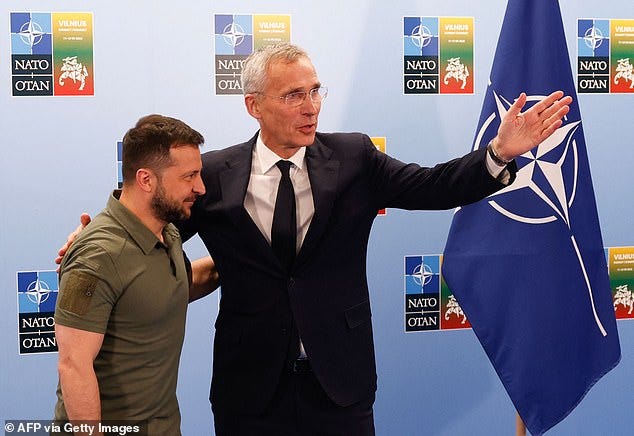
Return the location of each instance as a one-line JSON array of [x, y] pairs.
[[265, 159], [259, 200]]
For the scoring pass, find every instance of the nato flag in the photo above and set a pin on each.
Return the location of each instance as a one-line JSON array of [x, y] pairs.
[[527, 263]]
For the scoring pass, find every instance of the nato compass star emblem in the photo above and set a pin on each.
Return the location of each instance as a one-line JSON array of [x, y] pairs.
[[593, 38], [38, 292], [421, 36], [31, 33], [550, 172], [233, 34], [422, 275]]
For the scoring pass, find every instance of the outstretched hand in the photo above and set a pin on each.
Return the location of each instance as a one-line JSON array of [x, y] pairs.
[[521, 131], [84, 220]]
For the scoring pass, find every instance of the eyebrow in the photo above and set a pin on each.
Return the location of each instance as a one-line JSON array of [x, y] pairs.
[[190, 173], [300, 89]]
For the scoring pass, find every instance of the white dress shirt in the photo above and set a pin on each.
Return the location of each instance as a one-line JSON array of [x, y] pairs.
[[262, 190]]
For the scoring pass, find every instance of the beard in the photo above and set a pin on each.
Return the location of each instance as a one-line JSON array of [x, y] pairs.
[[166, 209]]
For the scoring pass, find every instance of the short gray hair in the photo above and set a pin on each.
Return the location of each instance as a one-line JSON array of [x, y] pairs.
[[254, 72]]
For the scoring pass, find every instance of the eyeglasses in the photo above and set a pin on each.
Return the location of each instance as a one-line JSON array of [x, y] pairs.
[[298, 97]]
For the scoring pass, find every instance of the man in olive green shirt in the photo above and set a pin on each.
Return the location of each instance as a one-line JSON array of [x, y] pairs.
[[124, 289]]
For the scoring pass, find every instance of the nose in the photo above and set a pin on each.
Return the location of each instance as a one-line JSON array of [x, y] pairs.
[[199, 186], [309, 106]]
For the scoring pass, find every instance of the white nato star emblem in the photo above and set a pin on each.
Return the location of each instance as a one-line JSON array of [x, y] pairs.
[[38, 291], [593, 37], [31, 33], [421, 36], [233, 34], [556, 147], [422, 274], [549, 157]]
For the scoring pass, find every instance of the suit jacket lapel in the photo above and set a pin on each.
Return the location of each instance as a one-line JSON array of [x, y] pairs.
[[323, 174], [233, 184]]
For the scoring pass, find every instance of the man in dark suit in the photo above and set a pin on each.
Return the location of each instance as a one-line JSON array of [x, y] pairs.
[[293, 351]]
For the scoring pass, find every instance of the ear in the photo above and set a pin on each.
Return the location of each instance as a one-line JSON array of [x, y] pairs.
[[145, 179], [252, 104]]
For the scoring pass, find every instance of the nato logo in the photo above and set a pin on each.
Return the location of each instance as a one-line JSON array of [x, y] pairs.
[[233, 42], [420, 36], [37, 295], [422, 293], [421, 55], [233, 34], [593, 56], [31, 33], [31, 54], [593, 37]]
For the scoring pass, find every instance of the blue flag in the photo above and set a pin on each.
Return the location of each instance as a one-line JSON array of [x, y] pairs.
[[527, 263]]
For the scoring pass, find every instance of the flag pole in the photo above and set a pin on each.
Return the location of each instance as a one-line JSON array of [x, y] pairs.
[[520, 428]]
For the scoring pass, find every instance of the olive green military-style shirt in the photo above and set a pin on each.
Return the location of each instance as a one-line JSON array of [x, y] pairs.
[[118, 279]]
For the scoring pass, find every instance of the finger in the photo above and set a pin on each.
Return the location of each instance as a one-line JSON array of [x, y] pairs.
[[543, 104], [557, 116], [550, 110], [554, 122], [516, 107], [546, 102], [71, 237], [556, 107], [84, 219], [60, 254], [62, 251], [550, 129]]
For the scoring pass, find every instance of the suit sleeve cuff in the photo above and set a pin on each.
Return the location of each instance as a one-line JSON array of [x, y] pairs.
[[499, 172]]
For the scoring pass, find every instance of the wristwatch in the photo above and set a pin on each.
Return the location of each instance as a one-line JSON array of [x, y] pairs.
[[497, 159]]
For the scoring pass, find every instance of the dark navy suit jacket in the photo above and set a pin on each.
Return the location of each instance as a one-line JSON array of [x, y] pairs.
[[325, 296]]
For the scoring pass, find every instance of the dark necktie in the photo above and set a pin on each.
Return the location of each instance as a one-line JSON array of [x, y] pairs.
[[284, 228]]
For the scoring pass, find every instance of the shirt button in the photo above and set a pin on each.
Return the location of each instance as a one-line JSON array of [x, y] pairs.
[[291, 282]]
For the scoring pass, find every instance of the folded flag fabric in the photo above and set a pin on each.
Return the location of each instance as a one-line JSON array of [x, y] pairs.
[[527, 263]]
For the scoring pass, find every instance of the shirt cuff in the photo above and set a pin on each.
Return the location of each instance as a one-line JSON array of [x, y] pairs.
[[498, 172]]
